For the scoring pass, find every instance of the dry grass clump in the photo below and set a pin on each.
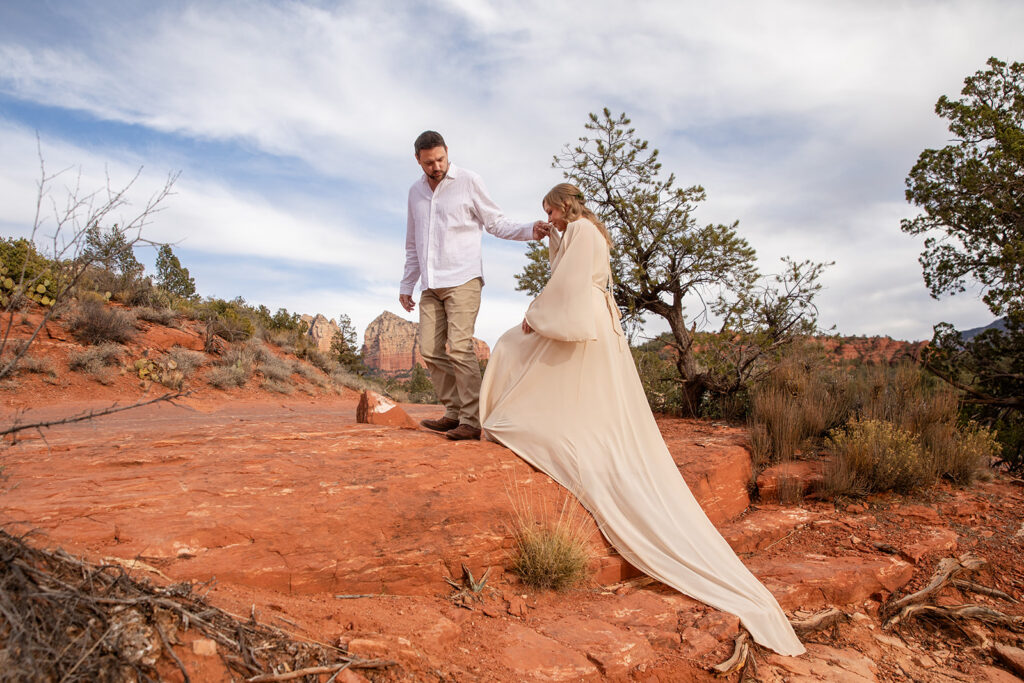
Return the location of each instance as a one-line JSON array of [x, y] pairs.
[[97, 361], [309, 373], [95, 323], [277, 386], [186, 360], [160, 316], [234, 369], [550, 553], [38, 365], [276, 369], [873, 456]]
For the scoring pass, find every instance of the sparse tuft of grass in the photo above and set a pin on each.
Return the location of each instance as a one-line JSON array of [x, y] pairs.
[[234, 369], [277, 387], [276, 370], [97, 361], [160, 316], [38, 365], [95, 323], [550, 553], [186, 360]]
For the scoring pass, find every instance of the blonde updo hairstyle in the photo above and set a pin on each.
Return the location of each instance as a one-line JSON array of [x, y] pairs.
[[569, 199]]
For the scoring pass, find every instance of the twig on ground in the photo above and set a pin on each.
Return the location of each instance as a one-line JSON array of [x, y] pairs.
[[741, 649], [90, 414]]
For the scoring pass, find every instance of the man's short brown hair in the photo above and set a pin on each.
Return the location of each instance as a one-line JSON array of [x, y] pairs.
[[428, 139]]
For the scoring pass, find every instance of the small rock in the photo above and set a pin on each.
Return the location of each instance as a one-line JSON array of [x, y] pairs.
[[1011, 657], [856, 508], [204, 647], [368, 647], [697, 643]]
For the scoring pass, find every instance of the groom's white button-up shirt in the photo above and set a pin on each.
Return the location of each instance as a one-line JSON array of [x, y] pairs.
[[442, 242]]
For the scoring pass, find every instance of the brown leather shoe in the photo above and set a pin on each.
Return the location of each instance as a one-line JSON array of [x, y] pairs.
[[462, 432], [445, 424]]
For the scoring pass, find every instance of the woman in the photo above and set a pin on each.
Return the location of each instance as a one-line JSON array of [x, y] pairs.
[[561, 390]]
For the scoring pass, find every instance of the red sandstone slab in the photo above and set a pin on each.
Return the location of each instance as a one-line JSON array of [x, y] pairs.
[[535, 657], [615, 651], [815, 581], [759, 529]]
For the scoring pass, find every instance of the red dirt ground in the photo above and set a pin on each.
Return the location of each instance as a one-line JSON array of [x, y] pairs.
[[286, 503]]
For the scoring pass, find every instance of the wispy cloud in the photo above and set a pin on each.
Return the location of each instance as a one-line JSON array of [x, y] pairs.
[[800, 118]]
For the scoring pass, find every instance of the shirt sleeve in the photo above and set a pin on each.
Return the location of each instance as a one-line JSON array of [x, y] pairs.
[[412, 259], [493, 220], [564, 308]]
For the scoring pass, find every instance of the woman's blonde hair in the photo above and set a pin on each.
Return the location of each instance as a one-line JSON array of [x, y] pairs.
[[569, 199]]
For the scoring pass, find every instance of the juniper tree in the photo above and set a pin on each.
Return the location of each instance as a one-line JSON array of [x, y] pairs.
[[172, 276], [667, 264], [971, 193]]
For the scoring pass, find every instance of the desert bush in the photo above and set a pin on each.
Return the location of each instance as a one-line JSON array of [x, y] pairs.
[[186, 360], [549, 553], [276, 369], [309, 373], [96, 323], [97, 361], [234, 369], [961, 455], [160, 316], [277, 386], [38, 365], [871, 456]]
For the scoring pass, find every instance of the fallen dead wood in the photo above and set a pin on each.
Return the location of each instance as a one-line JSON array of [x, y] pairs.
[[957, 612], [946, 570], [65, 619], [965, 585], [826, 618], [738, 659]]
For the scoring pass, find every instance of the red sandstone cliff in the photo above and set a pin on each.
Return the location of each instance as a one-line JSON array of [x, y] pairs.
[[391, 344]]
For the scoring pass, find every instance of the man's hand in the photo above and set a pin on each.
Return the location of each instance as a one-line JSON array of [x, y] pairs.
[[526, 327], [407, 303], [541, 230]]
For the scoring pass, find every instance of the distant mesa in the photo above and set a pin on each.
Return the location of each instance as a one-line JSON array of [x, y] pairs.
[[391, 345], [873, 350]]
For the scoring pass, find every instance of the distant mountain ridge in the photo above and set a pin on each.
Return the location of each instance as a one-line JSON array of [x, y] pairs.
[[975, 331]]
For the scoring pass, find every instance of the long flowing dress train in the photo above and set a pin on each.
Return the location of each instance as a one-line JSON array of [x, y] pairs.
[[567, 399]]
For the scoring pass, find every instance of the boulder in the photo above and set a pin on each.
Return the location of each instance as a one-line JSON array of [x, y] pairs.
[[790, 480], [380, 410]]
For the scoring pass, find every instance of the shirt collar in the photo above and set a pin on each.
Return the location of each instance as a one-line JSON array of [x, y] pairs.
[[453, 172]]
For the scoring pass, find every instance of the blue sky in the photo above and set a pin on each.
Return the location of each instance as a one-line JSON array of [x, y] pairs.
[[292, 125]]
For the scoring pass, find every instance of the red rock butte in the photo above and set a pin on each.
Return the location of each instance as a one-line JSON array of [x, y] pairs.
[[391, 345]]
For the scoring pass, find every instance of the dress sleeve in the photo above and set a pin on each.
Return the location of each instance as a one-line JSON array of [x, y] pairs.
[[564, 309]]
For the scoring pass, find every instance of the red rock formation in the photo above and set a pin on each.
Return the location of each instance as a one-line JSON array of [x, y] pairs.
[[873, 350], [321, 330], [391, 345], [380, 410]]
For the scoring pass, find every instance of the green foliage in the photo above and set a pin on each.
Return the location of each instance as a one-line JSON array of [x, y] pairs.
[[549, 553], [172, 276], [874, 456], [662, 257], [973, 220], [344, 348], [537, 270], [419, 387], [114, 252], [24, 272]]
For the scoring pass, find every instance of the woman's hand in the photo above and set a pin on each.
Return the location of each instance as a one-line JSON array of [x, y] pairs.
[[526, 327]]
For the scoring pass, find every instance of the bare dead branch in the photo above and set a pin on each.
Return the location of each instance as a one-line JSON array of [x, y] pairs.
[[92, 414]]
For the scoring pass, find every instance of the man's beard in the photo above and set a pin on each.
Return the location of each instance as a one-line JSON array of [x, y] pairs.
[[439, 175]]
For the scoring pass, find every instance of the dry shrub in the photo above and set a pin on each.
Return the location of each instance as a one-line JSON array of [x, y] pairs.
[[277, 387], [309, 373], [276, 370], [234, 369], [872, 456], [549, 553], [38, 366], [96, 323], [160, 316], [186, 360], [961, 455], [97, 361]]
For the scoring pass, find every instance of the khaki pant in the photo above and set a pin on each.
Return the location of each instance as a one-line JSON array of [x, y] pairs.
[[447, 317]]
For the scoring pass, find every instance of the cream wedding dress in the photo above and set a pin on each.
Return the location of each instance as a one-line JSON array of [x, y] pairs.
[[567, 399]]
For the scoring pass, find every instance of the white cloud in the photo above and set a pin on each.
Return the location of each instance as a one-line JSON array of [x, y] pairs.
[[801, 119]]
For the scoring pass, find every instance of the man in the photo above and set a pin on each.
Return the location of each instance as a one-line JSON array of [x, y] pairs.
[[449, 209]]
